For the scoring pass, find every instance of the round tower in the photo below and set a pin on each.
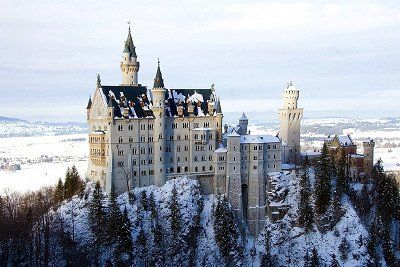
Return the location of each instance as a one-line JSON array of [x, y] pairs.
[[129, 64], [368, 157], [243, 123], [158, 108], [290, 118]]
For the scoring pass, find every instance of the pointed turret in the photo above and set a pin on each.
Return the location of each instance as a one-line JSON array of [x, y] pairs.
[[129, 46], [158, 80], [89, 104], [129, 64], [218, 108]]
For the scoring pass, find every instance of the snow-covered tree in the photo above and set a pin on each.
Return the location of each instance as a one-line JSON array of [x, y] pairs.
[[226, 231], [314, 259], [97, 215], [323, 181], [305, 216], [175, 225]]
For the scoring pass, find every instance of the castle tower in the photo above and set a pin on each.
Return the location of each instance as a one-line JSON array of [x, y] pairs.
[[129, 64], [368, 157], [290, 117], [243, 123], [234, 180], [158, 92]]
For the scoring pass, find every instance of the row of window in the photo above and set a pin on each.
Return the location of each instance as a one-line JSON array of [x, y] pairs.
[[170, 170], [259, 147], [174, 125]]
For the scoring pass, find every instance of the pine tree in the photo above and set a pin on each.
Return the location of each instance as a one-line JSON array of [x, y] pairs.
[[334, 261], [344, 249], [124, 242], [226, 231], [59, 192], [143, 200], [323, 181], [114, 217], [175, 224], [68, 184], [97, 215], [306, 217], [73, 183], [158, 248], [365, 200], [306, 259], [314, 260], [266, 260], [152, 206], [141, 241]]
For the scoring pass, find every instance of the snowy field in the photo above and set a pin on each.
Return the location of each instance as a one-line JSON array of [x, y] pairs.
[[42, 159], [47, 150]]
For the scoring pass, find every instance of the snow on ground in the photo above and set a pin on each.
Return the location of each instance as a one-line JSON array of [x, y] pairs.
[[43, 160]]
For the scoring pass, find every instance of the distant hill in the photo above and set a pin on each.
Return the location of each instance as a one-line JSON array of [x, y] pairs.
[[7, 119]]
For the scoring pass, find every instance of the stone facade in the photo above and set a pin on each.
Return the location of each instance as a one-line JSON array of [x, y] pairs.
[[140, 137]]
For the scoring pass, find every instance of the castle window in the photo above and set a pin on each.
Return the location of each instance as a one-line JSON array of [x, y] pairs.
[[186, 159], [143, 150], [143, 173], [171, 170], [179, 159], [151, 172], [203, 168], [196, 158], [178, 148], [186, 148], [178, 169], [130, 139], [150, 161], [186, 137], [120, 140], [134, 151], [130, 127], [142, 139], [196, 136], [269, 156], [274, 156], [160, 136], [255, 147], [178, 137], [172, 159], [234, 158], [210, 136], [151, 126], [143, 162], [269, 146], [186, 169], [260, 147], [255, 157], [120, 152], [210, 158], [211, 168], [203, 158], [274, 146], [196, 169], [195, 125], [134, 173], [171, 137], [210, 147], [134, 162], [274, 165], [255, 167], [150, 150], [168, 149], [120, 164]]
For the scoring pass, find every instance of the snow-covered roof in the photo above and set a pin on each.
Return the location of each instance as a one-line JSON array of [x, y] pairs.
[[233, 134], [221, 150], [256, 139], [98, 132], [344, 140]]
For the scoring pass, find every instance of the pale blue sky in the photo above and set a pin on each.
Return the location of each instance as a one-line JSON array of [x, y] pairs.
[[341, 55]]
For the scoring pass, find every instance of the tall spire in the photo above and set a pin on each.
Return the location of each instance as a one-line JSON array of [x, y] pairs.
[[129, 46], [158, 80]]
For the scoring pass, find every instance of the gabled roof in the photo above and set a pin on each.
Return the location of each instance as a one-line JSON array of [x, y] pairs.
[[343, 140], [132, 94]]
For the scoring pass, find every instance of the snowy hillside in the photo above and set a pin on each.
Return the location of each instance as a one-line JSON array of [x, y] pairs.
[[288, 243]]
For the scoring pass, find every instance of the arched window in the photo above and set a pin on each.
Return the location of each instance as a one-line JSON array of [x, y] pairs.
[[196, 169], [196, 158], [120, 140], [204, 168], [171, 170], [186, 169], [178, 169], [211, 168]]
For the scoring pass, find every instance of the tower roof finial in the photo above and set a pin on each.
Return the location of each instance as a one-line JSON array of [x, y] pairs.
[[98, 80], [129, 46], [158, 80]]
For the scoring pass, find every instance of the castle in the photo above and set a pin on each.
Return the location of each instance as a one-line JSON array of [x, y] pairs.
[[141, 136]]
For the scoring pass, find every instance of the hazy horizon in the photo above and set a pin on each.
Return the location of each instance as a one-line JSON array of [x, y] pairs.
[[343, 57]]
